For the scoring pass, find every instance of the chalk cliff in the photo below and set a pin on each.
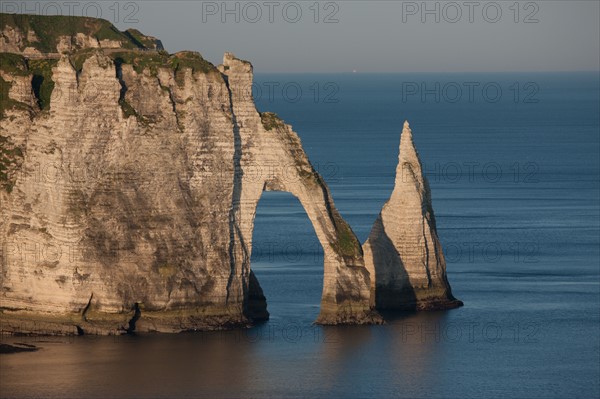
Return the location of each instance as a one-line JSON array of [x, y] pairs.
[[130, 194], [403, 253], [129, 181]]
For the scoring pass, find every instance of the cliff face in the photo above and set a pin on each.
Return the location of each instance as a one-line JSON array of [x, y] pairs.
[[109, 209], [129, 181], [136, 192], [403, 253]]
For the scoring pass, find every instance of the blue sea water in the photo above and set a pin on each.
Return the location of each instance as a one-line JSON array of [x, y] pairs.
[[513, 162]]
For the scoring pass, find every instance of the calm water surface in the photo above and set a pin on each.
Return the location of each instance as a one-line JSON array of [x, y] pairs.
[[515, 187]]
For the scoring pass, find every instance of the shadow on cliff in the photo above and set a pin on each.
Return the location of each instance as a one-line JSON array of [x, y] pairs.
[[393, 291], [255, 307], [237, 190]]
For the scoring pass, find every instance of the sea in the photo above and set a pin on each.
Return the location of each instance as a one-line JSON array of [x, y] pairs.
[[513, 161]]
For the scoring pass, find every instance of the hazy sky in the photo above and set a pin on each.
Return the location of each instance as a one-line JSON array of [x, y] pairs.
[[367, 36]]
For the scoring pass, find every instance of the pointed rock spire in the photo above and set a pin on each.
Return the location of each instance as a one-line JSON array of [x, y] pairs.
[[403, 252]]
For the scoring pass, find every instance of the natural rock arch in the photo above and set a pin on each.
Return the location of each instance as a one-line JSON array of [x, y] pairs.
[[269, 157]]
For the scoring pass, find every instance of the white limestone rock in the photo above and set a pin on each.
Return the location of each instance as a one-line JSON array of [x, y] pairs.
[[403, 253]]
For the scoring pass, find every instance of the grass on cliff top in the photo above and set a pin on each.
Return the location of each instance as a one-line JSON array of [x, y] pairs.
[[48, 29], [189, 59], [140, 39], [161, 59], [140, 61], [43, 85]]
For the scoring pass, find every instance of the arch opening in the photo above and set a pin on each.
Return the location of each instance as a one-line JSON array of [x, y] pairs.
[[287, 258]]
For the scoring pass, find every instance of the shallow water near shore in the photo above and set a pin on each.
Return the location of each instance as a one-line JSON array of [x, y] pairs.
[[515, 186]]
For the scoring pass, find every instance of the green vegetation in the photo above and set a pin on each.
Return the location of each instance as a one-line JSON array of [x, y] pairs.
[[310, 176], [13, 64], [270, 120], [6, 102], [48, 29], [128, 110], [43, 33], [11, 158], [153, 61], [140, 39], [189, 59], [140, 61], [347, 244], [42, 82], [78, 58]]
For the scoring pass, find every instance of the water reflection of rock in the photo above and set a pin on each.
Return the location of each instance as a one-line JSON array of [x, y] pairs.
[[406, 351], [406, 355], [213, 364], [415, 349], [341, 349]]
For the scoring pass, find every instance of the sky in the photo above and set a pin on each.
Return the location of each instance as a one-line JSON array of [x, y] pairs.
[[362, 35]]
